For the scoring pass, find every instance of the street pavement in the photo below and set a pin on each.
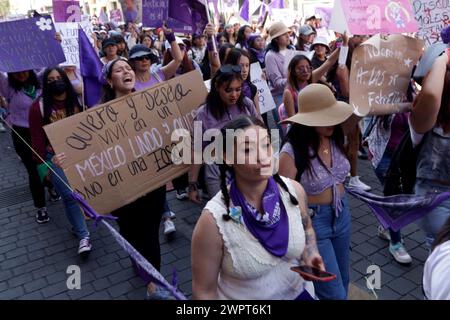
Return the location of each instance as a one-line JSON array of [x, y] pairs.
[[34, 258]]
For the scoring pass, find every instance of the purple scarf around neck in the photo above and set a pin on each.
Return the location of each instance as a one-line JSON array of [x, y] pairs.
[[270, 228]]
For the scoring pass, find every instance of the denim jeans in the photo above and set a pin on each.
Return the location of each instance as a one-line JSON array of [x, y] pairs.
[[381, 171], [73, 211], [333, 242], [434, 220]]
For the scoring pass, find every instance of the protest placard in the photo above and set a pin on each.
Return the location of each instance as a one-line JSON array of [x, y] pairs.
[[132, 10], [372, 17], [121, 150], [115, 15], [29, 44], [66, 11], [266, 102], [154, 12], [432, 16], [381, 71], [69, 35]]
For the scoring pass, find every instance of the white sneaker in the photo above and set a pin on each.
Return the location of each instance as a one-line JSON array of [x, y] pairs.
[[169, 227], [181, 194], [356, 183], [383, 233], [85, 246], [399, 253]]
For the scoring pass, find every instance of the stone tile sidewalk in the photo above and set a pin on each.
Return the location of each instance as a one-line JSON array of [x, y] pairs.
[[34, 258]]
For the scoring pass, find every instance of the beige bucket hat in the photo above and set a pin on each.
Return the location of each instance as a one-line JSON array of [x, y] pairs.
[[277, 29], [317, 107]]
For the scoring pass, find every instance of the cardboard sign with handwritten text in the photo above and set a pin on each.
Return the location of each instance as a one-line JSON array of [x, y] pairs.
[[121, 150], [432, 16], [381, 71]]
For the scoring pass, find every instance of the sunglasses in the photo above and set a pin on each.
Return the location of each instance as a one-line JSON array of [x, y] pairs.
[[141, 58], [228, 68]]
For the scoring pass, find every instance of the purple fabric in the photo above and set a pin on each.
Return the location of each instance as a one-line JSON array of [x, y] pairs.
[[271, 228], [445, 35], [275, 71], [246, 90], [322, 177], [143, 267], [150, 83], [29, 44], [191, 12], [277, 4], [154, 12], [244, 12], [170, 37], [91, 71], [209, 122], [259, 54], [398, 211], [19, 103]]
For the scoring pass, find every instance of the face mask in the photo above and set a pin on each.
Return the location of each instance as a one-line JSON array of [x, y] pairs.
[[57, 87]]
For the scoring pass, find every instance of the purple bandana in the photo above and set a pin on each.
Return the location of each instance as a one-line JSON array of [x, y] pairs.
[[271, 228]]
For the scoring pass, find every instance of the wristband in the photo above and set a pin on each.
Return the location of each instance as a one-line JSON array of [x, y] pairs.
[[170, 37]]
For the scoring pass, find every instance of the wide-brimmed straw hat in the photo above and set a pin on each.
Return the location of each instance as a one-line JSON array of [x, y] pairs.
[[278, 29], [317, 107]]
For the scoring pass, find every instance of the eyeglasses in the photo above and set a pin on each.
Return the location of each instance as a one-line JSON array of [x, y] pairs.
[[141, 58], [228, 68], [303, 68]]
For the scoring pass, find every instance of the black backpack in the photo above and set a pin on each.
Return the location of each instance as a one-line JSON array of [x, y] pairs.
[[401, 175]]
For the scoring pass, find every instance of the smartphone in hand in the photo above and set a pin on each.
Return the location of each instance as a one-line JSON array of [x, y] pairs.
[[311, 273]]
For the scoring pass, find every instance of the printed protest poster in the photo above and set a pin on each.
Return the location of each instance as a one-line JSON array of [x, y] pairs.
[[266, 102], [154, 12], [115, 15], [372, 17], [381, 70], [29, 44], [121, 150], [69, 35], [432, 16], [66, 11], [132, 10]]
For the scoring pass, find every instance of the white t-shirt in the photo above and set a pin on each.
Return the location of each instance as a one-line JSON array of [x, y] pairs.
[[436, 273]]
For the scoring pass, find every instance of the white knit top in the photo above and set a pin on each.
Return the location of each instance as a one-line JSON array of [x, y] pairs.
[[248, 271]]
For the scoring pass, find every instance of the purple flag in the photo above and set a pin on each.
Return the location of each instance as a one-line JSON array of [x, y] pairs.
[[398, 211], [244, 12], [277, 4], [66, 11], [91, 71], [29, 44], [190, 12]]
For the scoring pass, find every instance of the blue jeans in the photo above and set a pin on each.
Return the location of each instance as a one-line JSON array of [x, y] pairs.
[[333, 242], [434, 220], [73, 211], [381, 171]]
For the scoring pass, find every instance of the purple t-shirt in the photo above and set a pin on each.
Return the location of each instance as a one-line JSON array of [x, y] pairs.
[[156, 77], [398, 128], [209, 122]]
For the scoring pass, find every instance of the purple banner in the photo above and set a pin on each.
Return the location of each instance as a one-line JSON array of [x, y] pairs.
[[115, 15], [66, 11], [154, 12], [29, 44]]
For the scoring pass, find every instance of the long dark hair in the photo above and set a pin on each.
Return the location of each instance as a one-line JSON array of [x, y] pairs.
[[71, 101], [186, 64], [303, 138], [31, 81], [235, 55], [109, 93], [223, 50], [292, 77], [273, 45], [241, 36], [242, 122], [214, 103]]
